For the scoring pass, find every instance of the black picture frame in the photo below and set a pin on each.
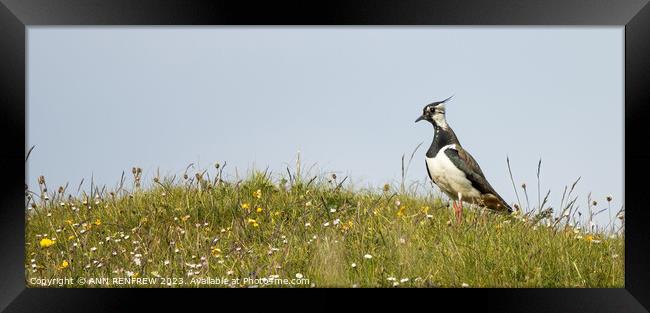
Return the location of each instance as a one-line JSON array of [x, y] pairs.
[[17, 15]]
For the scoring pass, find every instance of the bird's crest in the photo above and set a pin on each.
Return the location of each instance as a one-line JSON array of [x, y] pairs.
[[441, 104], [437, 106]]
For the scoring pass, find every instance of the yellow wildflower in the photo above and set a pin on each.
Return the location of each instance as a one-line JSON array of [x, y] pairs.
[[592, 239], [253, 222], [425, 209], [401, 211], [69, 222], [71, 237], [245, 206], [258, 193], [259, 210], [64, 264], [98, 222], [46, 243], [215, 251]]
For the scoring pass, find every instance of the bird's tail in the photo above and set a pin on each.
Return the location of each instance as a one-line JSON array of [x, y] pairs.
[[496, 203], [507, 206]]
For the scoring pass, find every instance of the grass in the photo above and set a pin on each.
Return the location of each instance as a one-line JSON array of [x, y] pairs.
[[178, 232]]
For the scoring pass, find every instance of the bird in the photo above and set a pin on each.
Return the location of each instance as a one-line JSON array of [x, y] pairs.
[[453, 169]]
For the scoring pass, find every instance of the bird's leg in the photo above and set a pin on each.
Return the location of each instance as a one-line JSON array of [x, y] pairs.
[[457, 212]]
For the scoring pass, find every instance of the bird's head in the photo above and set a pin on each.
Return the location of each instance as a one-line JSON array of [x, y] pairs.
[[434, 113]]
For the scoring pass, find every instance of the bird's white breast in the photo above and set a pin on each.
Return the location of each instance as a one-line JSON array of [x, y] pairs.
[[449, 178]]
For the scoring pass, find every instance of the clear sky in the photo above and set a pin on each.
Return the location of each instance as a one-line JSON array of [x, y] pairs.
[[101, 100]]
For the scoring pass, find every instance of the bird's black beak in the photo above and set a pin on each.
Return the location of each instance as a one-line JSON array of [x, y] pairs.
[[420, 118]]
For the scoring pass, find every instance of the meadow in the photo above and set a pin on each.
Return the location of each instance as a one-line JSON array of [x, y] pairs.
[[296, 230]]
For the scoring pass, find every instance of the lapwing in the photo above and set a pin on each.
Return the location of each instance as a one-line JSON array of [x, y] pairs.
[[453, 169]]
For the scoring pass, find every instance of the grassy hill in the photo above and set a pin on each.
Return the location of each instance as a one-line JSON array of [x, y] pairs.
[[300, 233]]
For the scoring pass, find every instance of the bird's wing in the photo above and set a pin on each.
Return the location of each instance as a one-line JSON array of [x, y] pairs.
[[466, 163]]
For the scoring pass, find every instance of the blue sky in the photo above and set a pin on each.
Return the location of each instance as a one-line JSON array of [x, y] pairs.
[[101, 100]]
